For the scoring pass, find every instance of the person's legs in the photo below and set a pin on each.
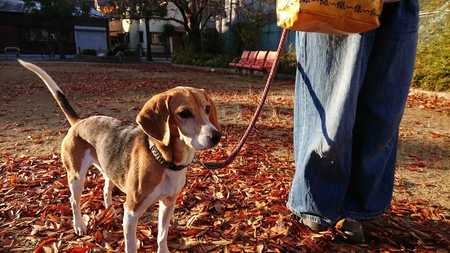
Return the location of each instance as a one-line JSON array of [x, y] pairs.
[[330, 72], [379, 111]]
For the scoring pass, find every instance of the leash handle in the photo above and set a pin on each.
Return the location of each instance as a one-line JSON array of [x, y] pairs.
[[269, 81]]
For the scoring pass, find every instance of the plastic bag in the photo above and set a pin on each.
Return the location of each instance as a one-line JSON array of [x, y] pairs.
[[329, 16]]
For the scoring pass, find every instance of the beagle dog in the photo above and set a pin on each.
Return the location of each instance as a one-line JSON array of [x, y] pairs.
[[147, 162]]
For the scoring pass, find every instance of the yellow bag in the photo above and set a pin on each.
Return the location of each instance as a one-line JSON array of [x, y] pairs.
[[329, 16]]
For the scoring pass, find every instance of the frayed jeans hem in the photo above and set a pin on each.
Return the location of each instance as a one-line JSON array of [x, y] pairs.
[[322, 221]]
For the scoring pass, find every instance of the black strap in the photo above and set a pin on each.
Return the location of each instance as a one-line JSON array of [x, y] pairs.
[[169, 165]]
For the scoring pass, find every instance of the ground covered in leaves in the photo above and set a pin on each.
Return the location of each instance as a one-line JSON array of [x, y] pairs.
[[241, 209]]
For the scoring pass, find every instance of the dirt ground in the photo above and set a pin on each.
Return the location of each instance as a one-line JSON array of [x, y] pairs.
[[31, 125]]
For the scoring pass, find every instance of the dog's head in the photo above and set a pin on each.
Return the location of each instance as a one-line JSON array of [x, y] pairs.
[[184, 112]]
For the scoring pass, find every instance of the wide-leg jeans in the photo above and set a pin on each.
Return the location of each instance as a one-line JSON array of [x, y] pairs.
[[350, 95]]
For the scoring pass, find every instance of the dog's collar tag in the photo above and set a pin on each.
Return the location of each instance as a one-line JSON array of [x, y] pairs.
[[169, 165]]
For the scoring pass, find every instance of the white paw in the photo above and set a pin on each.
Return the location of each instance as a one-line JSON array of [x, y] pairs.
[[107, 203], [163, 250], [80, 228]]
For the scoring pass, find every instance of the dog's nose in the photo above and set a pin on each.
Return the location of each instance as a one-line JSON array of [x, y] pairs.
[[216, 137]]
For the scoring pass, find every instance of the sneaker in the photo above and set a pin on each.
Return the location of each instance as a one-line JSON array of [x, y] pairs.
[[351, 230], [315, 226]]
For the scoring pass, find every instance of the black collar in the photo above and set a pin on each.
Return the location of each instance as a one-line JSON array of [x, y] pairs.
[[169, 165]]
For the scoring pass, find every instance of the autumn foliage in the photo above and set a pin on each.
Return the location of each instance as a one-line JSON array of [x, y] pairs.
[[238, 209]]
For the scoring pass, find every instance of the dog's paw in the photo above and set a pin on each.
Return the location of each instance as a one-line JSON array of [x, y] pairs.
[[80, 228], [162, 247], [163, 250]]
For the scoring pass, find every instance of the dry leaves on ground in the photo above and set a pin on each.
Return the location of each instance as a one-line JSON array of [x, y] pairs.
[[239, 209]]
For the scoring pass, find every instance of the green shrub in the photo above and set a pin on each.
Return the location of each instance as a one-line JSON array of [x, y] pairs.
[[249, 34], [432, 65], [187, 57], [130, 53], [89, 51], [212, 41], [431, 5], [288, 61], [182, 57], [432, 70]]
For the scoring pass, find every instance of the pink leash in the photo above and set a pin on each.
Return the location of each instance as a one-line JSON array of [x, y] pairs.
[[269, 81]]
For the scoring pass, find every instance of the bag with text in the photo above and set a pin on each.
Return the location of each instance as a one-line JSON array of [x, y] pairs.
[[329, 16]]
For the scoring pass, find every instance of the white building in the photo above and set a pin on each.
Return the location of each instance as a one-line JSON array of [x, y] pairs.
[[132, 32]]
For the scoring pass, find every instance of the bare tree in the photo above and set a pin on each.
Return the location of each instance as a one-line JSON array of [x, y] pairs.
[[195, 16], [141, 9], [56, 13]]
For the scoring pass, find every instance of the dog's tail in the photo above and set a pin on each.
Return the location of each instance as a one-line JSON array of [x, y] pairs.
[[57, 93]]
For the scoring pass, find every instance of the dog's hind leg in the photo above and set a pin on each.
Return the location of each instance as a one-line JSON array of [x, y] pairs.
[[77, 159], [107, 187], [107, 192]]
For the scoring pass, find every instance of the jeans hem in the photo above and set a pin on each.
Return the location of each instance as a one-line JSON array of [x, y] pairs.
[[365, 216], [328, 222], [322, 221]]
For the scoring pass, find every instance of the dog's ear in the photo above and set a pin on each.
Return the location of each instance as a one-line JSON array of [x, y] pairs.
[[213, 113], [154, 118]]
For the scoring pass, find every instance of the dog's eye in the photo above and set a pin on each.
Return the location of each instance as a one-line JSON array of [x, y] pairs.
[[207, 109], [185, 114]]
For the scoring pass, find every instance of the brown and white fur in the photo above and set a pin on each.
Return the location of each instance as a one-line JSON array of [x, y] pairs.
[[178, 121]]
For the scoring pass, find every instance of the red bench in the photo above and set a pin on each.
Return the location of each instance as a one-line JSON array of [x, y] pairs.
[[251, 59], [259, 62], [239, 61], [270, 59], [255, 60], [245, 62]]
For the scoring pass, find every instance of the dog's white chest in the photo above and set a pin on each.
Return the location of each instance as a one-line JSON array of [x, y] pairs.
[[172, 182]]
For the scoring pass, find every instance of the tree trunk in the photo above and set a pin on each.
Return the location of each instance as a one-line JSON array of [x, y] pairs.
[[60, 39], [149, 39], [195, 39], [61, 46]]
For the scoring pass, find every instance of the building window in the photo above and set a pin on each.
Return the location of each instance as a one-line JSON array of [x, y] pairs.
[[156, 38], [141, 37]]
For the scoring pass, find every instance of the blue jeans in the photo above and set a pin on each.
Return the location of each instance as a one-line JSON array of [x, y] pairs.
[[350, 95]]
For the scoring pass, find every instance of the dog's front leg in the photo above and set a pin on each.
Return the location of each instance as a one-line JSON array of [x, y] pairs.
[[166, 207], [131, 217], [130, 220]]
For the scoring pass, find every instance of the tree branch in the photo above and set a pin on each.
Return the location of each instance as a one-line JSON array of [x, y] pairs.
[[183, 14], [206, 21], [170, 19]]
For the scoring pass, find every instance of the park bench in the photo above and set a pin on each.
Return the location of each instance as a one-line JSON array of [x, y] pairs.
[[246, 60], [249, 62], [239, 61], [255, 60], [14, 49], [270, 59], [258, 64]]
